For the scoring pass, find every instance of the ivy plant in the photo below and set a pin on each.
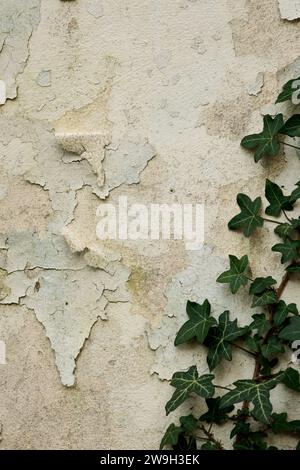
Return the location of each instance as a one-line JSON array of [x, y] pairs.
[[246, 404]]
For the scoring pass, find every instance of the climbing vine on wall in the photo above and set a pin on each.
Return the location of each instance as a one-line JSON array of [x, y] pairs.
[[247, 404]]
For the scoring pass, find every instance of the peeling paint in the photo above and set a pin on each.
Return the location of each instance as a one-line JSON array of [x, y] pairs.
[[289, 9]]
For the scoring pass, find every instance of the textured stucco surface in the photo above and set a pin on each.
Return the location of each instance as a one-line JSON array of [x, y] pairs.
[[147, 99]]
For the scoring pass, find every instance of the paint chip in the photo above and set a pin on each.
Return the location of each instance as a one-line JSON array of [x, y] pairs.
[[289, 9]]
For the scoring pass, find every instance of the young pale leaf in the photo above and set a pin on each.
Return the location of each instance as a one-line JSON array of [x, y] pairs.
[[288, 90], [277, 200], [280, 424], [261, 284], [235, 276], [266, 142], [291, 379], [198, 324], [171, 436], [284, 230], [273, 346], [267, 298], [219, 339], [282, 310], [214, 413], [249, 218], [292, 331], [295, 268], [257, 393], [289, 249], [187, 383], [292, 126]]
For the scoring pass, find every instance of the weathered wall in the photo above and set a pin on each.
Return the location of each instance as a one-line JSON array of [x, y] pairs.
[[144, 98]]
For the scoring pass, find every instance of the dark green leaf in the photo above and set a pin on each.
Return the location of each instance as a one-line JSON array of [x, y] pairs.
[[291, 379], [249, 217], [219, 339], [260, 284], [280, 424], [171, 436], [288, 249], [295, 268], [273, 346], [235, 276], [189, 423], [209, 446], [277, 200], [282, 310], [292, 126], [267, 298], [198, 324], [266, 142], [185, 443], [294, 197], [214, 413], [260, 323], [252, 343], [298, 446], [241, 428], [287, 91], [187, 383], [284, 230], [257, 393], [292, 331]]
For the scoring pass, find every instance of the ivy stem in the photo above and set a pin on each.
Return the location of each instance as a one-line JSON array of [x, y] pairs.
[[211, 437], [244, 349], [286, 216], [223, 388], [289, 145], [272, 221], [257, 367]]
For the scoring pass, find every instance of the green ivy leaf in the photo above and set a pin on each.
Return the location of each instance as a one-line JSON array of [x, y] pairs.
[[260, 323], [241, 428], [198, 324], [295, 268], [291, 379], [267, 298], [189, 423], [292, 126], [235, 276], [280, 424], [257, 393], [288, 249], [209, 446], [214, 413], [261, 284], [292, 331], [273, 346], [187, 383], [248, 219], [282, 310], [287, 91], [252, 343], [298, 446], [293, 198], [278, 201], [185, 443], [171, 436], [284, 230], [266, 142], [219, 339]]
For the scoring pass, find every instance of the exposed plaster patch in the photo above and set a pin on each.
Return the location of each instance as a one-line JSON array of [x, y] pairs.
[[44, 78], [289, 9], [17, 23], [95, 8], [47, 277], [256, 87]]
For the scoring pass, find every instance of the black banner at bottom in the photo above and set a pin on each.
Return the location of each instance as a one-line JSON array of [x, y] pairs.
[[136, 459]]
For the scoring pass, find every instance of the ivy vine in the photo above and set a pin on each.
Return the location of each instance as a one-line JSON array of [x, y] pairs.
[[264, 339]]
